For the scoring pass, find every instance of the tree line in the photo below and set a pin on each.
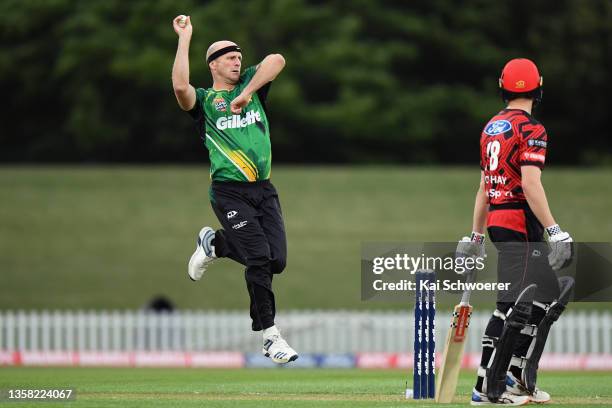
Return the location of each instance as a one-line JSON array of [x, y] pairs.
[[366, 81]]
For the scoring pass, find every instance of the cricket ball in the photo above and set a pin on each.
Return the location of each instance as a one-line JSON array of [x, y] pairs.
[[182, 21]]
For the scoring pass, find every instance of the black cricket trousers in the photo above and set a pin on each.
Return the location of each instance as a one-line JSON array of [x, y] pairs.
[[253, 234]]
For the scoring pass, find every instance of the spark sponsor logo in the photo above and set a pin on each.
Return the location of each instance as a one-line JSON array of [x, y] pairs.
[[231, 214], [496, 179], [239, 225], [528, 156], [493, 193], [537, 142], [220, 104], [237, 121], [497, 127]]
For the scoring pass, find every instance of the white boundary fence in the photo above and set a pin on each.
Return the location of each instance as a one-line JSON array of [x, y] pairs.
[[308, 331]]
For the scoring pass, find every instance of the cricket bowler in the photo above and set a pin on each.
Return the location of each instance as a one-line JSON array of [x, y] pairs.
[[512, 205], [231, 120]]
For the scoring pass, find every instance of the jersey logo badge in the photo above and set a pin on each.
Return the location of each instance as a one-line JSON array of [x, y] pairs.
[[537, 142], [220, 104], [497, 127]]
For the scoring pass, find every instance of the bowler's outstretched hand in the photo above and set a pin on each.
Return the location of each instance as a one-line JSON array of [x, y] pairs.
[[182, 26]]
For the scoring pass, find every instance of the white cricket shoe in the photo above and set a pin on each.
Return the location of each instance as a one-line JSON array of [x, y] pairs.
[[480, 398], [515, 386], [275, 347], [203, 256]]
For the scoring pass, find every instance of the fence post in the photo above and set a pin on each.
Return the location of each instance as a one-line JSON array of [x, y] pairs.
[[3, 330], [68, 318], [45, 330], [141, 325], [103, 330], [11, 330], [129, 329], [22, 326], [606, 323]]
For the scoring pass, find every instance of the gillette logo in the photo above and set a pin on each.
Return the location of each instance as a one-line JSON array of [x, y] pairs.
[[237, 121]]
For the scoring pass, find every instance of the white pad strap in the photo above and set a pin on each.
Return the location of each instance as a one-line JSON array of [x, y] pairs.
[[482, 372], [530, 330], [499, 315], [488, 341], [543, 306], [519, 362]]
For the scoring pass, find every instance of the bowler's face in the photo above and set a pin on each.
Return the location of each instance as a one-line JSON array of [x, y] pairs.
[[228, 66]]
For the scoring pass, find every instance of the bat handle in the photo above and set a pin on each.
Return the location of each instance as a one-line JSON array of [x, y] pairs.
[[470, 277]]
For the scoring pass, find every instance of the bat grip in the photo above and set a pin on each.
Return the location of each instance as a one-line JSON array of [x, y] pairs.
[[470, 277]]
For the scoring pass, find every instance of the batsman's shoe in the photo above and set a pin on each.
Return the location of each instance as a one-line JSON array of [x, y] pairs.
[[278, 350], [516, 387], [480, 398], [203, 256]]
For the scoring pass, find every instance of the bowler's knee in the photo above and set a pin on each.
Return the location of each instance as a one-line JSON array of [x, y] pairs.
[[278, 265]]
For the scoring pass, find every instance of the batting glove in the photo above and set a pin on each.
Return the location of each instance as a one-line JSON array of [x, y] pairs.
[[561, 247], [471, 247]]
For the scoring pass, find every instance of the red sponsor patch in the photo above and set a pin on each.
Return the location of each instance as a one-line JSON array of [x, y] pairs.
[[528, 156]]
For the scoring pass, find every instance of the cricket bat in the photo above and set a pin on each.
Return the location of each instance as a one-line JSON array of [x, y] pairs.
[[453, 349]]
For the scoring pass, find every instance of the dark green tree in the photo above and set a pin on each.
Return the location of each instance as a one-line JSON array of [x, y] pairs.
[[366, 81]]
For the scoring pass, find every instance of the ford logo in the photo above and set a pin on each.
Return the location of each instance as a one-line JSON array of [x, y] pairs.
[[497, 127]]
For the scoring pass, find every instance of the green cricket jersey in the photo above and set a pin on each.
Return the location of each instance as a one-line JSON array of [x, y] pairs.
[[238, 145]]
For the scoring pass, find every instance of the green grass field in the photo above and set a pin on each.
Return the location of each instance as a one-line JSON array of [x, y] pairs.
[[271, 388], [112, 237]]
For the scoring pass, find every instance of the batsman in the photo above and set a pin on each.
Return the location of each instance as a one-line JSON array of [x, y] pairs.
[[231, 119], [512, 205]]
